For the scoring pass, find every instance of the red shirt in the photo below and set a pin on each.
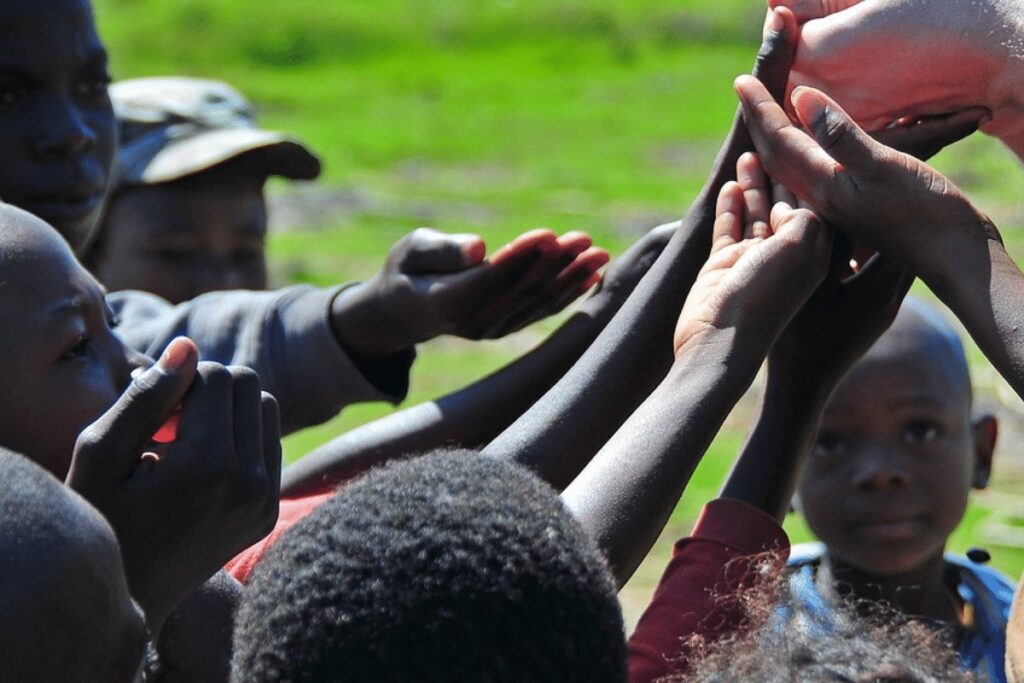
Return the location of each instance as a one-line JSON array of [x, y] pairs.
[[292, 510], [724, 555]]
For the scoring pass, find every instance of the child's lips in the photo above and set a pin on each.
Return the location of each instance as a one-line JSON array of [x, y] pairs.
[[891, 529]]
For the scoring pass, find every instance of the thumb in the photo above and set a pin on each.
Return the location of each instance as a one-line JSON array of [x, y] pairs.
[[833, 129], [128, 426], [429, 251]]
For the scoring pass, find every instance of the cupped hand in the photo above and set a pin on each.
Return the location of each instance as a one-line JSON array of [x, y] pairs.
[[880, 197], [766, 260], [434, 283], [181, 510]]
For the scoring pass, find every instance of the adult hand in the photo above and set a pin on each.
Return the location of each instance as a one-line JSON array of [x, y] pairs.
[[183, 509], [434, 284], [765, 262], [885, 199], [886, 59]]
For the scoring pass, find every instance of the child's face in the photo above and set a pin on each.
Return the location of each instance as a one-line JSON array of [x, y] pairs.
[[888, 478], [180, 240], [56, 120], [62, 365]]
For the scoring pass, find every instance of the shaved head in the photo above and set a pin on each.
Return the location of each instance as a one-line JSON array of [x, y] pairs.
[[921, 330], [64, 601]]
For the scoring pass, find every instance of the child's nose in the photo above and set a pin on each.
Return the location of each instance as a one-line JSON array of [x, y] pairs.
[[878, 468]]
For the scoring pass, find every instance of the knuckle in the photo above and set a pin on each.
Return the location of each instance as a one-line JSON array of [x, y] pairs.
[[246, 377], [213, 372], [91, 438]]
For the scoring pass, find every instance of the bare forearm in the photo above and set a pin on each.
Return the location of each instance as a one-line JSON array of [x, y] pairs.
[[766, 472], [468, 418], [562, 431], [985, 289], [625, 495]]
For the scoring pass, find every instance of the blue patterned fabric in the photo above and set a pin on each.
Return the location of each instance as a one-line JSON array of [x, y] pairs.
[[982, 648]]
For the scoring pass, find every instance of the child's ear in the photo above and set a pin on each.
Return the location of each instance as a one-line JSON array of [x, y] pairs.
[[986, 430]]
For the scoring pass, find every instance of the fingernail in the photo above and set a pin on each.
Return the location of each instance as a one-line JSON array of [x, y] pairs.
[[474, 249], [176, 355], [775, 22], [813, 111]]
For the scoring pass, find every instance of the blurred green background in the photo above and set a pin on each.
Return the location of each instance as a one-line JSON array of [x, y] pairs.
[[496, 116]]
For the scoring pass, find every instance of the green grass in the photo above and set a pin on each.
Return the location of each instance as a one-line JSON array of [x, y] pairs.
[[497, 116]]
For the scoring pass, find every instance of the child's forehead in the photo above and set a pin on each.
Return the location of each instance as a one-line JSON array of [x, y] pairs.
[[899, 376], [37, 268], [64, 35]]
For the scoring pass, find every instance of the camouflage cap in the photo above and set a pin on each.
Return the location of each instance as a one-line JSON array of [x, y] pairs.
[[173, 127]]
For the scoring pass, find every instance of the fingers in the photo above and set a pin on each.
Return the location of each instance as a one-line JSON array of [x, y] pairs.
[[805, 10], [778, 51], [924, 139], [786, 153], [272, 459], [207, 421], [782, 195], [125, 429], [756, 196], [527, 245], [555, 280], [247, 418], [729, 213], [429, 251], [836, 132]]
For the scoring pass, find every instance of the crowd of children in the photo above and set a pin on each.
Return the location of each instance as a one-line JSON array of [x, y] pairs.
[[150, 534]]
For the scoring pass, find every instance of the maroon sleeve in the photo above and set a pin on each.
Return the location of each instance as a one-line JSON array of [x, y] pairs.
[[724, 555]]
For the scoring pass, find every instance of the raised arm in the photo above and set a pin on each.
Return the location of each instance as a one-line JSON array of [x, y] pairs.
[[318, 350], [761, 269], [899, 205], [834, 328], [476, 414], [563, 430]]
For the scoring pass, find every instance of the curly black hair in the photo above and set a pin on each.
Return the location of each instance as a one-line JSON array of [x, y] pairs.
[[449, 567], [788, 641]]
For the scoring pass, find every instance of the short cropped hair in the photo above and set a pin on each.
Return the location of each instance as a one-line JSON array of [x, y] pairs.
[[449, 567]]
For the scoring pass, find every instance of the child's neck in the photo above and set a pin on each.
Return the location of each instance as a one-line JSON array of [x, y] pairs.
[[921, 593]]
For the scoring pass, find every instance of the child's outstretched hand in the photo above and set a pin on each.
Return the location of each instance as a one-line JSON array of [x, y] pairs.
[[181, 510], [881, 197], [434, 284], [766, 260]]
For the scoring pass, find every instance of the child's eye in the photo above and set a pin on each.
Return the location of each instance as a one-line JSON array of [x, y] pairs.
[[79, 349], [921, 431], [828, 444]]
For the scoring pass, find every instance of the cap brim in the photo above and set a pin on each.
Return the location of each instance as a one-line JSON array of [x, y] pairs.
[[277, 154]]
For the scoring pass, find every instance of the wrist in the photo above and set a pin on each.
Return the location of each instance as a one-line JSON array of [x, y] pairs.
[[731, 352], [963, 280], [362, 325]]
